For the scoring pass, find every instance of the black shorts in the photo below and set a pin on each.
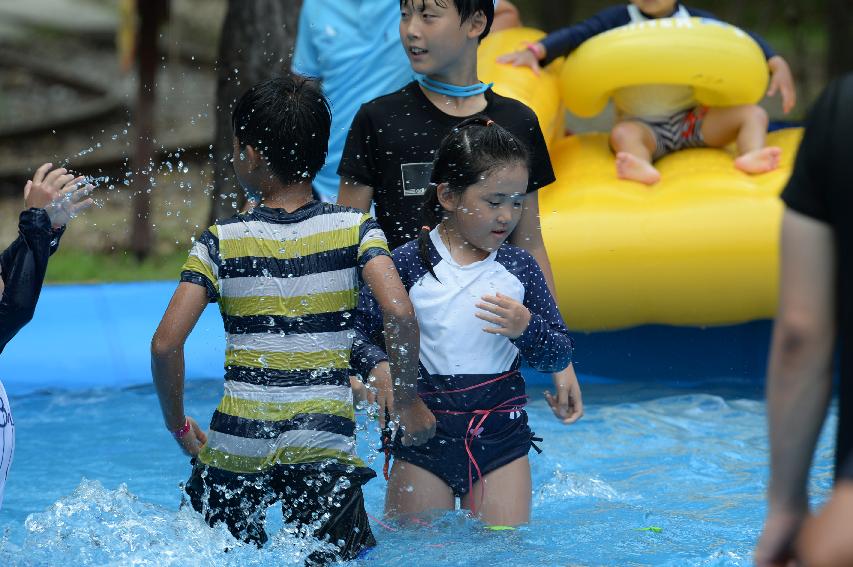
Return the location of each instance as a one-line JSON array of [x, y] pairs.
[[468, 442], [307, 493]]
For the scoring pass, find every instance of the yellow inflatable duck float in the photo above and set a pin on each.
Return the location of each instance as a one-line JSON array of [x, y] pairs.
[[700, 247]]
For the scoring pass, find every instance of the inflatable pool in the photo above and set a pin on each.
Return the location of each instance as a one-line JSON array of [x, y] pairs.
[[700, 247]]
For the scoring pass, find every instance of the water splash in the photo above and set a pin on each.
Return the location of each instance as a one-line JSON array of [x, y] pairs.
[[97, 526]]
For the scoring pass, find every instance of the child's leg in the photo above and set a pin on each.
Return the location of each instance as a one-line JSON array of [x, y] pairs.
[[328, 504], [748, 126], [239, 501], [634, 145], [413, 490], [502, 497]]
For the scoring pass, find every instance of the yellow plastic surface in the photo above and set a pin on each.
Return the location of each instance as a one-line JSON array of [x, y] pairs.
[[540, 93], [723, 64], [698, 248]]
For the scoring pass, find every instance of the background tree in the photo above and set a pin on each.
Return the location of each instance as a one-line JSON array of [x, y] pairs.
[[256, 43], [839, 26]]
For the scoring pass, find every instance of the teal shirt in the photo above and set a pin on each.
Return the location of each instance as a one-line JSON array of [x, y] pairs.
[[353, 47]]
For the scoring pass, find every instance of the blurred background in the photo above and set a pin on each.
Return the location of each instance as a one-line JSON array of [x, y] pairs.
[[137, 94]]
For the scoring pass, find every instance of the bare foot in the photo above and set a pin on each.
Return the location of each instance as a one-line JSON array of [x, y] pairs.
[[629, 166], [759, 161]]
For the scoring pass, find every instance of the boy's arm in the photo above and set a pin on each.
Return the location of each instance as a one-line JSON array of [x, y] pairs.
[[402, 340], [799, 378], [528, 235], [565, 40], [359, 169], [167, 362], [354, 194], [367, 352]]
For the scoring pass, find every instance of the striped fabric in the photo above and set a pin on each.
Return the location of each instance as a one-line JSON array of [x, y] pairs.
[[287, 286]]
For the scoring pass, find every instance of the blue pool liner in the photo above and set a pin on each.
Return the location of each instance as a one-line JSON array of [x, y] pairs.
[[98, 336]]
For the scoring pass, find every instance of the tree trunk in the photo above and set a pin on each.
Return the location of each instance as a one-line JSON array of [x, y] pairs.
[[839, 19], [256, 43], [151, 13]]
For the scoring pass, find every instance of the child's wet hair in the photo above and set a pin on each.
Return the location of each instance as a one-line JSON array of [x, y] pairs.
[[466, 9], [473, 149], [287, 119]]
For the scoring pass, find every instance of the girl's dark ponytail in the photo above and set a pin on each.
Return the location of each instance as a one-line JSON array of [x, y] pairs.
[[431, 217]]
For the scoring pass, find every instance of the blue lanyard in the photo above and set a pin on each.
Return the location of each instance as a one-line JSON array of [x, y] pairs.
[[452, 90]]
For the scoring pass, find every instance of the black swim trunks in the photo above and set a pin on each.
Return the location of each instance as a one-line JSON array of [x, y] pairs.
[[323, 499], [481, 426]]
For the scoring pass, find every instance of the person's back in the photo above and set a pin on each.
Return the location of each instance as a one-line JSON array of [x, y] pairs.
[[286, 284], [286, 276]]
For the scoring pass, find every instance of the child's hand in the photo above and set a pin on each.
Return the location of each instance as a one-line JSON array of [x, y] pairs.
[[567, 405], [510, 316], [522, 58], [782, 81], [194, 440], [360, 391], [58, 192], [417, 423], [382, 389]]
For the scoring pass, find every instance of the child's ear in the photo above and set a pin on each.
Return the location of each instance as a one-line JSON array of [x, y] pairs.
[[477, 24], [253, 157], [446, 197]]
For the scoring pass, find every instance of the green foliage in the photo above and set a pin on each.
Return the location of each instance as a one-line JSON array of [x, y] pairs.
[[77, 266]]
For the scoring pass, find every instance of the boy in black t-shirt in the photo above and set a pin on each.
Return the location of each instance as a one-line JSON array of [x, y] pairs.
[[391, 145], [815, 314]]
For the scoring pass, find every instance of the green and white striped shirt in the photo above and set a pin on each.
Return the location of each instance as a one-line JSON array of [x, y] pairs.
[[287, 286]]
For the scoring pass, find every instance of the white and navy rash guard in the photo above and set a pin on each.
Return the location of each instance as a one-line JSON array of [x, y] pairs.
[[452, 340]]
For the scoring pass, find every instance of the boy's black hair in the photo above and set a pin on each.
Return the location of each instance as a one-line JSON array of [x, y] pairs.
[[287, 119], [466, 9], [474, 148]]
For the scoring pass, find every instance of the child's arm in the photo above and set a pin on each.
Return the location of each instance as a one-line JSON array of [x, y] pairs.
[[402, 344], [359, 166], [167, 362], [24, 263], [354, 194], [565, 40], [535, 326]]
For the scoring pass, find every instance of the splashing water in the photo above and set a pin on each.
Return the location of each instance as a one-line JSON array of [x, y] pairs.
[[692, 465]]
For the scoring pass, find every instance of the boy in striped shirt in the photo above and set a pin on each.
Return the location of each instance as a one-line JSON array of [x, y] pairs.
[[286, 276]]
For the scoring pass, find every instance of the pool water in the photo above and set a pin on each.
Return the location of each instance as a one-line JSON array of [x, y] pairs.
[[96, 482]]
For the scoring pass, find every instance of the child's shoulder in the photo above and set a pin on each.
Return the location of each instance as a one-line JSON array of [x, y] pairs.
[[515, 259], [332, 208], [510, 106], [406, 253]]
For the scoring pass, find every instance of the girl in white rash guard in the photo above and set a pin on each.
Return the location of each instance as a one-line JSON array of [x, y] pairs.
[[462, 275]]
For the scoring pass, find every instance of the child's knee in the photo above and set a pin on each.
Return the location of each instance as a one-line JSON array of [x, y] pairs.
[[754, 114], [625, 134]]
